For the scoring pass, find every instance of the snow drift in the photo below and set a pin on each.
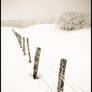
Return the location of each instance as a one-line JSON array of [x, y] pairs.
[[75, 46]]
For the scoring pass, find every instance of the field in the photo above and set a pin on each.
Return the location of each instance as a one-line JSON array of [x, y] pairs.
[[16, 71]]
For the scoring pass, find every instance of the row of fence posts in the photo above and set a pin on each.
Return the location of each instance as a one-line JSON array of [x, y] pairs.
[[61, 76], [22, 42]]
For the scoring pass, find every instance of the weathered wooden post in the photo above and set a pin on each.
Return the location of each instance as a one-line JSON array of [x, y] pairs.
[[20, 41], [24, 51], [18, 37], [61, 77], [28, 50], [35, 68], [15, 33]]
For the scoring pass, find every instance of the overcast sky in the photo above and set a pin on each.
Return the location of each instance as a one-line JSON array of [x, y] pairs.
[[26, 9]]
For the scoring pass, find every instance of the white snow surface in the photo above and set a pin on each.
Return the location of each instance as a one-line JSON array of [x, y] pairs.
[[16, 71]]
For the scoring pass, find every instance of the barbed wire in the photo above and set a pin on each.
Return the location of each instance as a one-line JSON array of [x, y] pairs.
[[47, 84], [71, 86], [67, 82]]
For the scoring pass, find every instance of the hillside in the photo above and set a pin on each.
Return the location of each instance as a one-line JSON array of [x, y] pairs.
[[16, 71]]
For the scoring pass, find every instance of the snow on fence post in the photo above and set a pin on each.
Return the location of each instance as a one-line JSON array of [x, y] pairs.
[[24, 51], [35, 68], [61, 75], [28, 50]]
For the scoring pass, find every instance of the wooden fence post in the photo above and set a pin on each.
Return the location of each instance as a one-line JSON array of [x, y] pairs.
[[61, 78], [24, 51], [28, 50], [20, 41], [35, 68], [18, 37], [15, 33]]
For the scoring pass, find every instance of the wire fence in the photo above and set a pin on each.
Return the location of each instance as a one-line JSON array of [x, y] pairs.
[[68, 82]]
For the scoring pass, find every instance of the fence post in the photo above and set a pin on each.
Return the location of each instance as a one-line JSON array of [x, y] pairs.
[[61, 75], [35, 68], [20, 41], [15, 33], [24, 51], [28, 50]]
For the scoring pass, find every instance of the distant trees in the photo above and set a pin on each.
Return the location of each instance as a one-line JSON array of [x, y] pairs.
[[74, 20], [22, 23], [68, 21]]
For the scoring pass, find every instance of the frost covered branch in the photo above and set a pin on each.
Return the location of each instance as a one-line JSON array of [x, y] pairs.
[[73, 21]]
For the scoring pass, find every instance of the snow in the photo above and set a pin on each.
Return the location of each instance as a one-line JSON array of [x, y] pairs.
[[16, 71]]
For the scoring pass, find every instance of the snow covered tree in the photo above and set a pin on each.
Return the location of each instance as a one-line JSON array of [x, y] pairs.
[[73, 21]]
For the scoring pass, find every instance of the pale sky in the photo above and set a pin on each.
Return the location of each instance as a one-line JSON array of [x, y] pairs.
[[26, 9]]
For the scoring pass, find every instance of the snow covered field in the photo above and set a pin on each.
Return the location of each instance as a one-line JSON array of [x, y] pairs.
[[16, 71]]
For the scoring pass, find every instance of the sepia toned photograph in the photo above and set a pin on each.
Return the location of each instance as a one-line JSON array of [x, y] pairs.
[[45, 45]]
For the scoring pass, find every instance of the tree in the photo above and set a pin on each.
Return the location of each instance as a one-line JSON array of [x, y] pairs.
[[73, 20]]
